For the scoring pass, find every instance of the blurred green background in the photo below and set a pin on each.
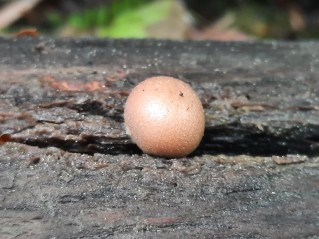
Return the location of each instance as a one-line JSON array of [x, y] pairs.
[[167, 19]]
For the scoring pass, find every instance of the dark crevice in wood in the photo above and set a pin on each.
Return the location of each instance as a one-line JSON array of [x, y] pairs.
[[83, 147], [98, 108], [232, 139]]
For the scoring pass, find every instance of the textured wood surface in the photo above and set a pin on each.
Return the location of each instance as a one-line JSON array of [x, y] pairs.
[[68, 168]]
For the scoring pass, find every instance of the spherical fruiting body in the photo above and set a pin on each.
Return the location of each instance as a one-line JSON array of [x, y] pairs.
[[164, 117]]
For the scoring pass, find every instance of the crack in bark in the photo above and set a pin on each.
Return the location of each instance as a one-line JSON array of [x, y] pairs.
[[230, 140]]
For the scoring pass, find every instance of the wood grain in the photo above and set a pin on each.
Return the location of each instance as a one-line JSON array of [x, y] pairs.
[[68, 169]]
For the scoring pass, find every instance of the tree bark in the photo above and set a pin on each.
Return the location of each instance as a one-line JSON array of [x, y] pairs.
[[69, 170]]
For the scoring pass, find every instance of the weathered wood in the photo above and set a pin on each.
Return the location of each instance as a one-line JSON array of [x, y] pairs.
[[68, 169]]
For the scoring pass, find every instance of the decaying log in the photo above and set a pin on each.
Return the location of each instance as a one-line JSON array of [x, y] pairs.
[[69, 170]]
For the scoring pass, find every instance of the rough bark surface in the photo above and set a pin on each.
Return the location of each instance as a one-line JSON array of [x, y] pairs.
[[69, 170]]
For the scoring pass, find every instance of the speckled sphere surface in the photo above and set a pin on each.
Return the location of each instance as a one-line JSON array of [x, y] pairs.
[[164, 117]]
